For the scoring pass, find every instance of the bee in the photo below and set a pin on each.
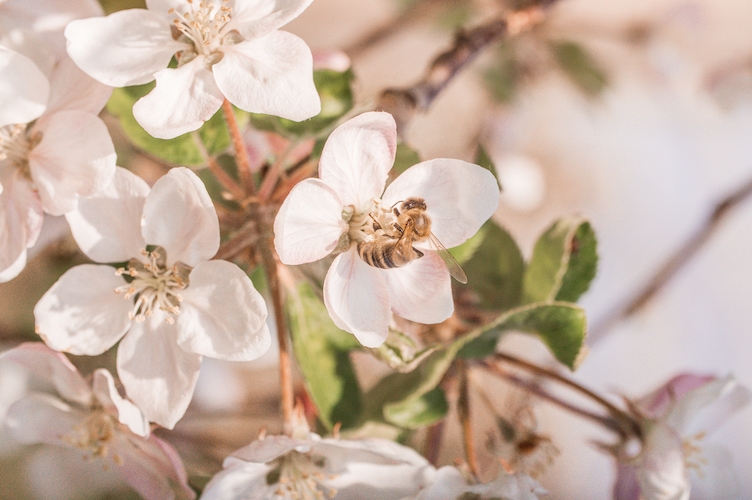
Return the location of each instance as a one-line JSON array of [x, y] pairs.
[[393, 247]]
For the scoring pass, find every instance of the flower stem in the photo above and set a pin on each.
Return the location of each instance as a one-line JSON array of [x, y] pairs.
[[219, 173], [271, 177], [238, 144], [463, 408]]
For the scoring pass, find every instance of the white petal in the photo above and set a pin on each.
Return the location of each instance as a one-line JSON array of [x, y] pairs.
[[157, 374], [182, 101], [422, 290], [51, 367], [717, 478], [222, 315], [179, 216], [29, 44], [271, 75], [255, 18], [71, 88], [357, 157], [75, 158], [268, 449], [81, 314], [707, 407], [41, 418], [24, 89], [459, 196], [124, 48], [153, 468], [127, 413], [309, 223], [107, 225], [242, 480], [357, 298], [21, 219], [661, 472], [658, 402]]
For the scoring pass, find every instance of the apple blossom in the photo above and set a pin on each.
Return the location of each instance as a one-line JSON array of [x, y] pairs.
[[171, 305], [675, 420], [448, 483], [339, 210], [53, 149], [95, 420], [310, 467], [225, 49]]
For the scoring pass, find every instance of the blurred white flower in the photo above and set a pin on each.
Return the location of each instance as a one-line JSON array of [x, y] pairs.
[[95, 420], [171, 305], [53, 149], [342, 208], [675, 420], [281, 467], [225, 49], [448, 483]]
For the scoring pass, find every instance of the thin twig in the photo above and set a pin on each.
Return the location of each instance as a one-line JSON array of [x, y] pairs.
[[272, 175], [241, 153], [403, 103], [434, 437], [463, 409], [243, 238], [675, 263]]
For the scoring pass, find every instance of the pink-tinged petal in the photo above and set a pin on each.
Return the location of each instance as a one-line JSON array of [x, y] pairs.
[[661, 471], [153, 468], [241, 480], [357, 298], [222, 315], [271, 75], [46, 19], [124, 48], [626, 486], [256, 18], [657, 402], [157, 374], [179, 216], [71, 88], [422, 290], [268, 449], [51, 367], [309, 223], [108, 396], [459, 196], [107, 225], [81, 314], [357, 157], [182, 101], [30, 45], [41, 418], [21, 219], [717, 475], [708, 406], [75, 158], [24, 89]]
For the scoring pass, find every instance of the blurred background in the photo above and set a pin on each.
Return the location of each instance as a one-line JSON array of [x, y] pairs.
[[637, 115]]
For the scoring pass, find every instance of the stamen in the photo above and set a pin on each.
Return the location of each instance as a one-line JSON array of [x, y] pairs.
[[15, 145], [203, 27]]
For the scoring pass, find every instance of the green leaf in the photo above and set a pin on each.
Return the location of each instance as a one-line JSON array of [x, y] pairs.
[[564, 262], [400, 352], [335, 91], [464, 252], [502, 78], [322, 351], [496, 269], [181, 150], [417, 412], [560, 325], [405, 158], [580, 67], [482, 159]]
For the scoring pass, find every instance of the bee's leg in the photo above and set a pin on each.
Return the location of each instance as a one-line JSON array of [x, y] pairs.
[[396, 212], [418, 253], [376, 225], [398, 228]]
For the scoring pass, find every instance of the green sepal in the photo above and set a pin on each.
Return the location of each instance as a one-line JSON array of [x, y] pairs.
[[580, 67], [399, 352]]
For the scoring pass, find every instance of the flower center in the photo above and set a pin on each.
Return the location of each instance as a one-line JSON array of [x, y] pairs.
[[202, 26], [693, 458], [15, 145], [299, 475], [154, 286], [376, 219], [95, 433]]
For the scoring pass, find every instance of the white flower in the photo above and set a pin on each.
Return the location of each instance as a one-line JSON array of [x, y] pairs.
[[225, 49], [96, 420], [448, 483], [280, 467], [170, 306], [53, 149], [341, 207], [46, 19], [675, 420]]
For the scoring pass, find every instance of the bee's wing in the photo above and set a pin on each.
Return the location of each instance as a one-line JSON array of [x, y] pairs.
[[451, 263]]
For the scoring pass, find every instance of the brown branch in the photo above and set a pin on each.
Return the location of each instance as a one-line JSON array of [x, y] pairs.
[[246, 236], [463, 409], [675, 263], [241, 153], [403, 103]]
